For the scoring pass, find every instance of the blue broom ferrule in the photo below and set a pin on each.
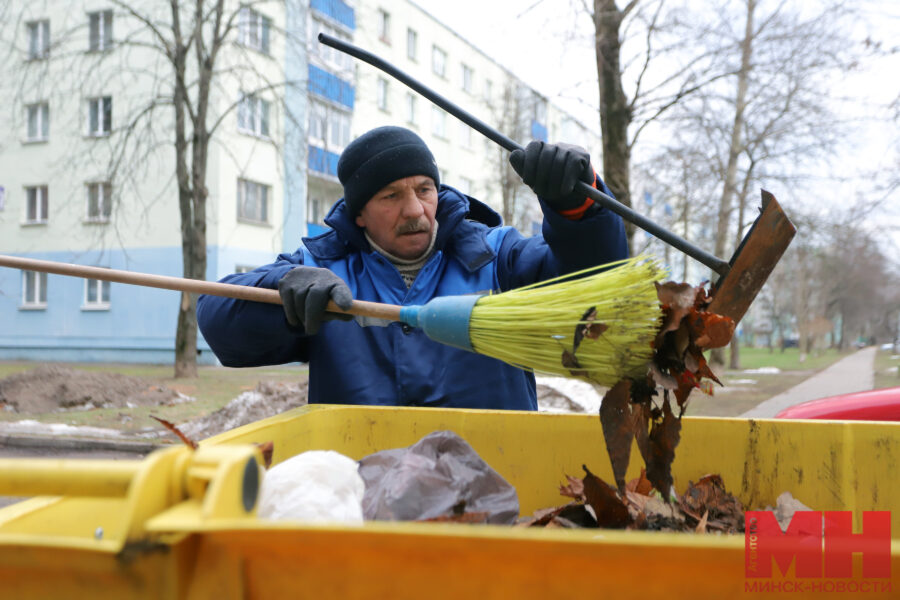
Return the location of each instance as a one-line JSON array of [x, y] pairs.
[[444, 319]]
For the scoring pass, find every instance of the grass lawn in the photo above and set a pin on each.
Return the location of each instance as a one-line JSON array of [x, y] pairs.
[[213, 388], [886, 369]]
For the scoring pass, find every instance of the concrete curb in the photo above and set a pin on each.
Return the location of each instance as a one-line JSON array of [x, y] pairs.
[[83, 444]]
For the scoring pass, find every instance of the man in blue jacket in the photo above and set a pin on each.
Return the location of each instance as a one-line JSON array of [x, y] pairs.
[[399, 236]]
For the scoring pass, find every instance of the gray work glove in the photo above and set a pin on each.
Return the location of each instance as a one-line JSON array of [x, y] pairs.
[[305, 291], [552, 170]]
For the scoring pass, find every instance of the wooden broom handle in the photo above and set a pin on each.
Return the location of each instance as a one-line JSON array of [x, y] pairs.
[[361, 308]]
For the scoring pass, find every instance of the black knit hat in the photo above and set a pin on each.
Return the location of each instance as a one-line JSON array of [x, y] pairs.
[[377, 158]]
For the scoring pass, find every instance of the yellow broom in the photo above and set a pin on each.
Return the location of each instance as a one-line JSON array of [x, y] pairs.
[[596, 324]]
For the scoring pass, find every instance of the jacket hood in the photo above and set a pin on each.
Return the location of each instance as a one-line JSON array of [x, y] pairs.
[[464, 222]]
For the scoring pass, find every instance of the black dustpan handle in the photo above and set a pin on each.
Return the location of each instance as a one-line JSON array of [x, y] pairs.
[[713, 262]]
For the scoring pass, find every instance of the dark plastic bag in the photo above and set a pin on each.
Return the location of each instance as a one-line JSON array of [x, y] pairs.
[[427, 480]]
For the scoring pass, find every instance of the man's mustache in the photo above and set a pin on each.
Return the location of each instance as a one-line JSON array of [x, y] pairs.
[[414, 226]]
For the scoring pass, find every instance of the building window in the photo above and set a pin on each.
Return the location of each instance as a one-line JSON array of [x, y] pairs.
[[253, 115], [438, 122], [328, 126], [36, 204], [99, 117], [465, 135], [412, 44], [467, 79], [34, 289], [410, 108], [333, 58], [100, 27], [318, 123], [96, 295], [38, 116], [253, 201], [487, 90], [253, 30], [99, 202], [438, 61], [381, 94], [465, 185], [243, 268], [384, 26], [315, 211], [38, 39]]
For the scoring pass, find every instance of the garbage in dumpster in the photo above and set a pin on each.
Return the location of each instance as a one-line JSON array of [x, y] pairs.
[[704, 507], [440, 477], [317, 485]]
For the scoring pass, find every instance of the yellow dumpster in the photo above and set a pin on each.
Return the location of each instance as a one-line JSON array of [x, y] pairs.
[[182, 524]]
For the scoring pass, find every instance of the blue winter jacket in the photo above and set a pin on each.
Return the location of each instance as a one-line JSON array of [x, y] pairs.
[[397, 365]]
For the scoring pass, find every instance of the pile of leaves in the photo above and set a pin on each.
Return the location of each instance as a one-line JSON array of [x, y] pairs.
[[634, 409], [705, 506]]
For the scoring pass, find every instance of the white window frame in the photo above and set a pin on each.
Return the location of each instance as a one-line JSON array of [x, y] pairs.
[[36, 203], [316, 211], [438, 122], [465, 136], [381, 93], [438, 61], [412, 44], [103, 190], [411, 108], [101, 288], [38, 39], [99, 108], [262, 203], [39, 114], [254, 115], [34, 291], [488, 90], [102, 20], [254, 30], [468, 76], [384, 26], [318, 122]]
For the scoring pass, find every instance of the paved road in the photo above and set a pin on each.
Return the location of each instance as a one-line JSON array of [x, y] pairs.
[[854, 373]]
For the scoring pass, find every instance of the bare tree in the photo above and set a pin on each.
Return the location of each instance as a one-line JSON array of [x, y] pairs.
[[513, 116]]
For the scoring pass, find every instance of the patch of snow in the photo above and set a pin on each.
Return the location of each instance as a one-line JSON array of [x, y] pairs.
[[30, 426], [580, 393], [742, 382], [763, 371]]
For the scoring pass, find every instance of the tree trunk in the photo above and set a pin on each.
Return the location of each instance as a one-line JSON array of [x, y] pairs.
[[615, 114], [728, 188]]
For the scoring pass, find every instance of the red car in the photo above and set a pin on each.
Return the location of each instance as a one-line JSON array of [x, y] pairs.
[[873, 405]]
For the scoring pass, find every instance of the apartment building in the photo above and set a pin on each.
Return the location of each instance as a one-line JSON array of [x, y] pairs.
[[87, 161]]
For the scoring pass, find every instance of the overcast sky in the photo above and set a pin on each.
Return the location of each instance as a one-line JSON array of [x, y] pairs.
[[544, 43]]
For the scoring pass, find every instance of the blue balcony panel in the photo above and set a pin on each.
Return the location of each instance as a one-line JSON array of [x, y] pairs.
[[330, 86], [322, 161], [538, 131], [337, 10]]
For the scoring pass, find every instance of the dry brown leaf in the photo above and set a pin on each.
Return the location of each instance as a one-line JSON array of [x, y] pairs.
[[573, 489], [640, 484], [618, 430], [174, 429], [608, 507], [701, 526], [664, 437]]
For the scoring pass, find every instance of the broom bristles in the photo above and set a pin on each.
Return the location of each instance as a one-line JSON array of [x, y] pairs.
[[549, 327]]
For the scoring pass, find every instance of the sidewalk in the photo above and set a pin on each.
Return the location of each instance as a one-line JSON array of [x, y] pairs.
[[854, 373]]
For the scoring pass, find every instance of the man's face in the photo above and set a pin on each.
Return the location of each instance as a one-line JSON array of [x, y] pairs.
[[400, 216]]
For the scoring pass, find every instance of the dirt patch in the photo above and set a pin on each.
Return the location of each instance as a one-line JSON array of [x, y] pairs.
[[51, 388], [269, 398]]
